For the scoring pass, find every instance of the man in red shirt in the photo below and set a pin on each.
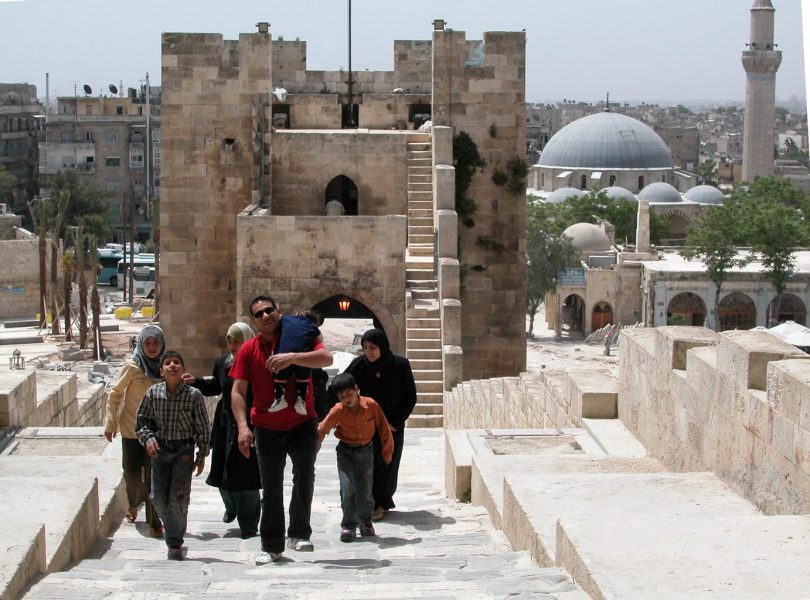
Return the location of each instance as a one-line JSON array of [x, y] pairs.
[[277, 434]]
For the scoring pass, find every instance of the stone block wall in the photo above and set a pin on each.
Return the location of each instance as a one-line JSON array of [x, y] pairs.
[[19, 278], [478, 87], [301, 261], [214, 163], [304, 162], [530, 401], [735, 403], [37, 398]]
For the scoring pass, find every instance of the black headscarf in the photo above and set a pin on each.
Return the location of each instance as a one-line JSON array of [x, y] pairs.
[[379, 339]]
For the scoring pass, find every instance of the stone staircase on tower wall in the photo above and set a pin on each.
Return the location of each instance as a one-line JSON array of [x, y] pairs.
[[423, 340]]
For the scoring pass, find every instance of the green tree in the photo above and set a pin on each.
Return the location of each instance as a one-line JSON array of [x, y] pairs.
[[87, 204], [8, 183], [706, 173], [547, 253], [713, 240], [773, 216]]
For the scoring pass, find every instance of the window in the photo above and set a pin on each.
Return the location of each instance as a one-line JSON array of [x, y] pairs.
[[612, 180], [583, 182], [119, 110], [112, 161], [136, 158], [88, 109], [641, 183], [156, 134], [88, 136], [156, 156], [111, 186], [111, 137]]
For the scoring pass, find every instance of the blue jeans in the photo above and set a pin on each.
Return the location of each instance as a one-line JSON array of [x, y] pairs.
[[356, 471], [171, 488], [272, 448]]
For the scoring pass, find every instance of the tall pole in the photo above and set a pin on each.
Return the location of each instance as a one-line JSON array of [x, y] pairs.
[[148, 156], [351, 97]]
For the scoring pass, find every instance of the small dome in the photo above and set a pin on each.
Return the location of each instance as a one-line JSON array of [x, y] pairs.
[[587, 237], [615, 192], [704, 194], [606, 140], [562, 194], [660, 192]]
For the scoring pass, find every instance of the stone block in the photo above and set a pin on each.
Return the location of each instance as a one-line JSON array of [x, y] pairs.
[[444, 187], [788, 382], [743, 357], [447, 230], [673, 343]]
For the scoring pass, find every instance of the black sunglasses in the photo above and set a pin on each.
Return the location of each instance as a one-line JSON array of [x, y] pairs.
[[267, 310]]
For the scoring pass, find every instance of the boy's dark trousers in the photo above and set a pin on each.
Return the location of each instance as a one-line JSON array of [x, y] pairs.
[[356, 471], [172, 469], [272, 448]]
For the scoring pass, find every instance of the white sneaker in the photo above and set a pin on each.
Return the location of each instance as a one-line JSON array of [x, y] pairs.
[[299, 406], [277, 405], [264, 558], [300, 545]]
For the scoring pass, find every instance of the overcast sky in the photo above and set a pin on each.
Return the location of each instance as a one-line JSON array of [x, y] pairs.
[[638, 50]]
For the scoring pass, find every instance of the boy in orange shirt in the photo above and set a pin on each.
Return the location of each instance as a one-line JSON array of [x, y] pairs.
[[356, 419]]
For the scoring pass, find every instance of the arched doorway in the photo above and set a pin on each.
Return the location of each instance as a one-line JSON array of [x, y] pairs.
[[736, 311], [344, 189], [686, 309], [679, 226], [572, 313], [791, 308], [602, 315]]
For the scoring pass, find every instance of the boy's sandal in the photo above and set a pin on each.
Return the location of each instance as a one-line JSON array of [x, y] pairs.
[[131, 514]]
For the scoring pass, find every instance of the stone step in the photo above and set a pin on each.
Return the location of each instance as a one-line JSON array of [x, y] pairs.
[[425, 221], [425, 354], [429, 386], [427, 375], [430, 398], [420, 249], [423, 308], [415, 238], [419, 229], [419, 136], [422, 333], [424, 294], [427, 408], [422, 275], [426, 421], [422, 322], [420, 213], [423, 344], [425, 364]]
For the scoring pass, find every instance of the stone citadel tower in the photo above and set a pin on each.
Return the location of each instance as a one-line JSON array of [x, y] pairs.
[[253, 147], [760, 62]]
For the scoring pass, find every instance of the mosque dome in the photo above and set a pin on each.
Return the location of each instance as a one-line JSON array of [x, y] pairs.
[[606, 140], [660, 192], [615, 192], [587, 237], [562, 194], [704, 194]]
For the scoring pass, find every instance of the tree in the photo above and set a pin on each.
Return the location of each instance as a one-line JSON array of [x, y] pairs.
[[773, 216], [68, 268], [8, 183], [86, 206], [95, 304], [547, 253], [713, 240], [706, 173]]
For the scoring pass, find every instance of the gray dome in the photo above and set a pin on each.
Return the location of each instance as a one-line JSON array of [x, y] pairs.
[[562, 194], [660, 192], [615, 192], [704, 194], [606, 140], [587, 237]]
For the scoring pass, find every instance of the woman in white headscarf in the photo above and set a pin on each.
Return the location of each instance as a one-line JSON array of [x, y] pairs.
[[236, 477], [136, 376]]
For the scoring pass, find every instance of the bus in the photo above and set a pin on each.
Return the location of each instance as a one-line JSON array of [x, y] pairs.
[[108, 267], [144, 282], [139, 260]]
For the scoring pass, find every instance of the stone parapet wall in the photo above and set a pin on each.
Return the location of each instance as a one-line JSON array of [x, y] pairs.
[[49, 399], [301, 261], [552, 398], [735, 403]]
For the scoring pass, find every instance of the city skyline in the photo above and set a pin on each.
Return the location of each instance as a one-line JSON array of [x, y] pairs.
[[578, 50]]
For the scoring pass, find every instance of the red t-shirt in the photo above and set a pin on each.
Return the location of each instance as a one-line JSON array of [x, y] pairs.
[[249, 366]]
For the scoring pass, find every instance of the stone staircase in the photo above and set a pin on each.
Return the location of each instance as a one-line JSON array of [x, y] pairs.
[[423, 324]]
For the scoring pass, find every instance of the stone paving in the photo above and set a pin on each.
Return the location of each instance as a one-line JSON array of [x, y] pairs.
[[428, 547]]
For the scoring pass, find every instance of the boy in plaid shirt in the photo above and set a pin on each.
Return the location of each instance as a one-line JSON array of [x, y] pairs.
[[170, 420]]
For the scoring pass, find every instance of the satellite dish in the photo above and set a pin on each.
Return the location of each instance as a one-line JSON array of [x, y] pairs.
[[280, 93], [113, 89], [87, 89]]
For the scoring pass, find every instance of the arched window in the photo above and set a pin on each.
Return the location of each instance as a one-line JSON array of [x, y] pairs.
[[612, 180], [342, 188], [583, 182], [641, 183]]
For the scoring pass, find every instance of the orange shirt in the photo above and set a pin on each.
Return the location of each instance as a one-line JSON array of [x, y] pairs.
[[357, 426]]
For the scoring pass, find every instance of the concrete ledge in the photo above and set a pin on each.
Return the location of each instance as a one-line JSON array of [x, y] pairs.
[[723, 558], [541, 499], [22, 558], [614, 438], [457, 464]]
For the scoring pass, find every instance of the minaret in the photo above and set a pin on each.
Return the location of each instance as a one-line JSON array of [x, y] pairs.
[[760, 62]]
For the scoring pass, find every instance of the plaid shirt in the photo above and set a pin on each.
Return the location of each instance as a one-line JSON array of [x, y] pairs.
[[182, 417]]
